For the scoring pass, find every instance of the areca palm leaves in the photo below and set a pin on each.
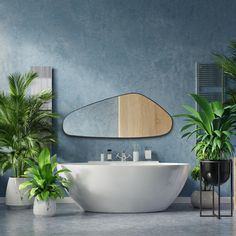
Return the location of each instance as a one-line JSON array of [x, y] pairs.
[[24, 127], [214, 125], [228, 63]]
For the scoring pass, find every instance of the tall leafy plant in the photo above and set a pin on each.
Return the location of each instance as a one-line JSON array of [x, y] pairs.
[[44, 181], [228, 63], [214, 125], [24, 127]]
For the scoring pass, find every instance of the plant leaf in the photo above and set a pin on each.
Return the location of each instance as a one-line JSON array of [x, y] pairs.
[[217, 108], [44, 158], [204, 105]]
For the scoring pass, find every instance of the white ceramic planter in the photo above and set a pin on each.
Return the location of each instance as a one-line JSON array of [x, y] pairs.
[[207, 198], [15, 198], [44, 208]]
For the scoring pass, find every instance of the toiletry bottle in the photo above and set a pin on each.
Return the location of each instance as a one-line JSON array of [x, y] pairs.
[[102, 157], [136, 152], [109, 155], [148, 153]]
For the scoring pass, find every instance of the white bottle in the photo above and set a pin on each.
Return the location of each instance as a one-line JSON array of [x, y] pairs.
[[136, 152], [148, 154], [102, 157], [135, 155]]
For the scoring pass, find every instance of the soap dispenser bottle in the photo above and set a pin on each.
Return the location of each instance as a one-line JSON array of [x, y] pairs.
[[109, 155], [136, 152], [148, 153]]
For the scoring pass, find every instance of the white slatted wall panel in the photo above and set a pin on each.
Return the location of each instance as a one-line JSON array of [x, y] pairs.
[[43, 82]]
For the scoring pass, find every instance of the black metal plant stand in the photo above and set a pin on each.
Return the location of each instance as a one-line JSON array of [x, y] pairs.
[[219, 215]]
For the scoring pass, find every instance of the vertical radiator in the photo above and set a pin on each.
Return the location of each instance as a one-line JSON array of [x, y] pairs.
[[210, 82]]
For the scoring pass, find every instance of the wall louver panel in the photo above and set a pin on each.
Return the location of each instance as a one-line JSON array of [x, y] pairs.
[[210, 82], [43, 82]]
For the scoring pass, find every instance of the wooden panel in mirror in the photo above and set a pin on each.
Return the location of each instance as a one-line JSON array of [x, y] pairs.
[[141, 117]]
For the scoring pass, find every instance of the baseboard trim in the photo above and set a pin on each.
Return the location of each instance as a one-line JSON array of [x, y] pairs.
[[186, 200], [182, 200], [66, 200], [2, 199]]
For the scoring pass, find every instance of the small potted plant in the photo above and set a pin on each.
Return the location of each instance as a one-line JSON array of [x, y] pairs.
[[207, 195], [214, 126], [24, 129], [45, 183]]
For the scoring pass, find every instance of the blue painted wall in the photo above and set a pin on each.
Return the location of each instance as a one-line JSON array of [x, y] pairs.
[[104, 48]]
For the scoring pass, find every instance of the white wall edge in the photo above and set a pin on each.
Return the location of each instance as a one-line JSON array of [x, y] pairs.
[[183, 200]]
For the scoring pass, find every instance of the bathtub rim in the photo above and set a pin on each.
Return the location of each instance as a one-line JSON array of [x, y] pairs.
[[125, 164]]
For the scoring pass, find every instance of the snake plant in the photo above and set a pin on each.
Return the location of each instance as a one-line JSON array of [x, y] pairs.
[[214, 126], [44, 181], [24, 127]]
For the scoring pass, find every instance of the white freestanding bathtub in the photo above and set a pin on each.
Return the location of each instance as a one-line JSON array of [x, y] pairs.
[[122, 187]]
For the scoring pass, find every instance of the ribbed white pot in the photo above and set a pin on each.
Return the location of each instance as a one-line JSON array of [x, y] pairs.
[[44, 208], [15, 198], [207, 198]]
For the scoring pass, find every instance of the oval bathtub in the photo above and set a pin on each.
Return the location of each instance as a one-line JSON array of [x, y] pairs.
[[123, 187]]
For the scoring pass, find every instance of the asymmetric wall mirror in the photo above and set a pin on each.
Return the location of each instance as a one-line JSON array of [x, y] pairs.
[[127, 116]]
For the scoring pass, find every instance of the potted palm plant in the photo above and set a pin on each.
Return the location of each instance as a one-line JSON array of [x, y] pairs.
[[214, 126], [45, 183], [24, 129]]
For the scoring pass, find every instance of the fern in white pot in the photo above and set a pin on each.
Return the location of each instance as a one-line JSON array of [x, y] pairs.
[[45, 183]]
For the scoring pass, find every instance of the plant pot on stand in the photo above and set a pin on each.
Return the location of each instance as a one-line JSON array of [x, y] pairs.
[[209, 171], [216, 173], [15, 198]]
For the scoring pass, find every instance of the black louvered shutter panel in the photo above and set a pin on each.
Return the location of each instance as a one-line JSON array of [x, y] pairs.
[[210, 82]]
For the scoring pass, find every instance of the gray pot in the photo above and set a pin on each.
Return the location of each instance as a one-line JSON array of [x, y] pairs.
[[207, 198]]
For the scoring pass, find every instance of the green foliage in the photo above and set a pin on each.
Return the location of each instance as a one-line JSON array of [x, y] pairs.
[[44, 181], [228, 63], [24, 127], [214, 125], [195, 174]]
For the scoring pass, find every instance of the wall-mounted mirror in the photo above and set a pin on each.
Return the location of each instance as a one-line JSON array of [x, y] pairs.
[[127, 116]]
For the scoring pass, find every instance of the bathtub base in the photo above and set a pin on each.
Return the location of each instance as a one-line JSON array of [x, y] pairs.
[[139, 187]]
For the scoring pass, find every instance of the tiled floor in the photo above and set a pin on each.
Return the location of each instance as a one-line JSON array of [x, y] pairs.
[[179, 219]]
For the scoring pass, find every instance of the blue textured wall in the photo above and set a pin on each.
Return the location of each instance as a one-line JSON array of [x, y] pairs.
[[102, 48]]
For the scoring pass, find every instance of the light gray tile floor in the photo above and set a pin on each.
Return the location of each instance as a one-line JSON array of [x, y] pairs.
[[178, 220]]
